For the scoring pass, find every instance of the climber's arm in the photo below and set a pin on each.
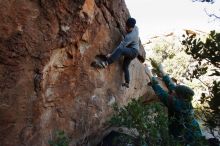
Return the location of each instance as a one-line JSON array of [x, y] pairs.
[[169, 83], [167, 99], [126, 41]]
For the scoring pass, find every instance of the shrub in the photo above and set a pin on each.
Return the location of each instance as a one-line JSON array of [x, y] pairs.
[[150, 120]]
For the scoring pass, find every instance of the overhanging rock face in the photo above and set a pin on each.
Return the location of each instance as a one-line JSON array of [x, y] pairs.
[[46, 82]]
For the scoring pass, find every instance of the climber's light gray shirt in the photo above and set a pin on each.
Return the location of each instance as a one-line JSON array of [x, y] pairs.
[[131, 39]]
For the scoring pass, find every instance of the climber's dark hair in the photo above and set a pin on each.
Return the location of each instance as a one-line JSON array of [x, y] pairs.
[[131, 22]]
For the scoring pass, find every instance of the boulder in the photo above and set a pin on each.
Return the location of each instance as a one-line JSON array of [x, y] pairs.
[[46, 81]]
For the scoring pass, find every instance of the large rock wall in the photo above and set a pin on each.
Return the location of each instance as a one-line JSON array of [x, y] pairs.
[[46, 82]]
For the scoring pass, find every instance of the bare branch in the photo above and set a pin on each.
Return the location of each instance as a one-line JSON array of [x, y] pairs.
[[212, 15], [208, 1]]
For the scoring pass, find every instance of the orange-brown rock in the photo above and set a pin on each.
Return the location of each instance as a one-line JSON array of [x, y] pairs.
[[46, 82]]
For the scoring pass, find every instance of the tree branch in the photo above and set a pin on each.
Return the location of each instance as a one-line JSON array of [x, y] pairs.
[[208, 1], [212, 15]]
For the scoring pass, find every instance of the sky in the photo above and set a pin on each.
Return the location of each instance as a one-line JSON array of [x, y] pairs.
[[155, 17]]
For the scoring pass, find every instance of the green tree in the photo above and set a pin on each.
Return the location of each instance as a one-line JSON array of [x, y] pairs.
[[199, 71], [207, 56], [150, 121]]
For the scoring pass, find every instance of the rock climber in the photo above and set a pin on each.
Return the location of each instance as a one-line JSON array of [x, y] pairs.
[[128, 48]]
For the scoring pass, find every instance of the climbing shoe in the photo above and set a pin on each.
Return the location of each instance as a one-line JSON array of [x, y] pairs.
[[125, 85], [104, 64]]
